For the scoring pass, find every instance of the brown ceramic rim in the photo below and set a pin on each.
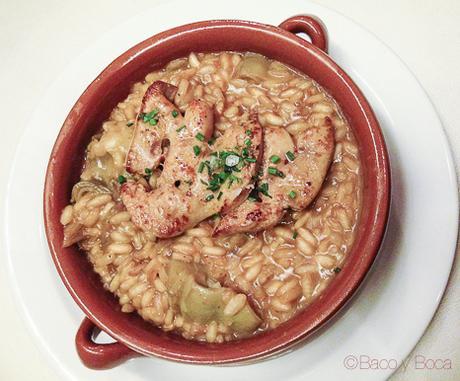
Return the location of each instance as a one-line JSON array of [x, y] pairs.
[[137, 337]]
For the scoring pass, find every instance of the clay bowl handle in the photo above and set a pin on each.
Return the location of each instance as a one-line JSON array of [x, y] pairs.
[[311, 26], [99, 356]]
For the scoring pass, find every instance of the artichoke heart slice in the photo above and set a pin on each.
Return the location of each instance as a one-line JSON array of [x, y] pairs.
[[253, 67], [204, 304]]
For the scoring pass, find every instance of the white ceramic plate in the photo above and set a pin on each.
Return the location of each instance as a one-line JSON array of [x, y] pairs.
[[399, 297]]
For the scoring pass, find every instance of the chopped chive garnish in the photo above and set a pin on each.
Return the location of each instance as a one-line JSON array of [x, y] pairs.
[[275, 172], [121, 179], [204, 182], [222, 167], [180, 128], [129, 124], [294, 236], [245, 152], [247, 142], [150, 117], [275, 159], [214, 183], [250, 159], [232, 179], [148, 171], [211, 141], [152, 114], [200, 136], [175, 113], [292, 194], [224, 154], [248, 132], [337, 270], [263, 188], [290, 156], [223, 176], [209, 197]]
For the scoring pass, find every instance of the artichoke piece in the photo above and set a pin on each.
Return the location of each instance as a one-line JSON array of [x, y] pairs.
[[101, 169], [200, 303], [253, 67], [73, 233], [83, 187], [203, 304], [245, 321]]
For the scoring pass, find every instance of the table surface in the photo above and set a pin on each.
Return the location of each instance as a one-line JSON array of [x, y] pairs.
[[38, 40]]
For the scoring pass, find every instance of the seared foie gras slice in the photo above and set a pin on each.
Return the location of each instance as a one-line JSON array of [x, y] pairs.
[[293, 181], [194, 130], [198, 180], [153, 123], [228, 175]]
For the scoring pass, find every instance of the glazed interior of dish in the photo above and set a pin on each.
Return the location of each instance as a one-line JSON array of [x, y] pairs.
[[220, 197]]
